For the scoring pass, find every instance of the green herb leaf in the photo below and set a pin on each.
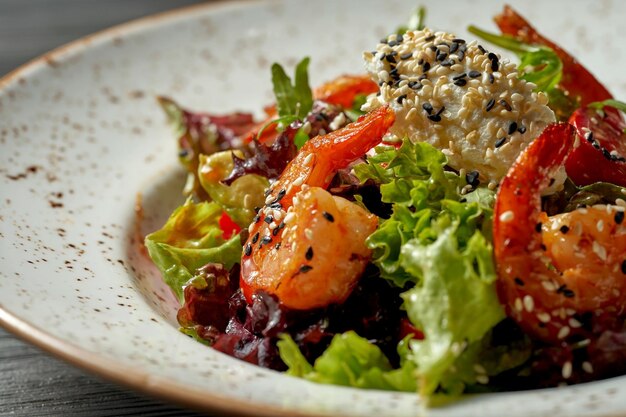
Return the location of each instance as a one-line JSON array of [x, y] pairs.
[[539, 64], [416, 21], [292, 101], [616, 104], [300, 138]]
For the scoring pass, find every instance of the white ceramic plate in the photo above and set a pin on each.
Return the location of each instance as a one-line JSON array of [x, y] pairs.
[[81, 136]]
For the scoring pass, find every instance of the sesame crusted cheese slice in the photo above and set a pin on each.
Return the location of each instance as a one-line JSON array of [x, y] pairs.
[[458, 97]]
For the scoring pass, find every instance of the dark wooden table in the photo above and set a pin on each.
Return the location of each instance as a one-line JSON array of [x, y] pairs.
[[31, 382]]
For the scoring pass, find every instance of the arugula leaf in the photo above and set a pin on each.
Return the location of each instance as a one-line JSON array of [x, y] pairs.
[[190, 239], [600, 105], [292, 101], [350, 360], [543, 66]]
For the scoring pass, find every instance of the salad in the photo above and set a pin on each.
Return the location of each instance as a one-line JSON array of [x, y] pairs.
[[447, 222]]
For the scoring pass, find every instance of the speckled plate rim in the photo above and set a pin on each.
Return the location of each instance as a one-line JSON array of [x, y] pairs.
[[156, 387]]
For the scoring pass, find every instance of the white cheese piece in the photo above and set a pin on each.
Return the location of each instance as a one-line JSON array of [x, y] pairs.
[[462, 99]]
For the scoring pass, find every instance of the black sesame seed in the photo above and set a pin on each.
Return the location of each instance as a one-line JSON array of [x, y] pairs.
[[421, 61], [279, 196], [183, 153], [472, 178], [399, 38], [619, 217], [564, 229], [256, 218], [441, 56], [309, 254], [393, 43], [440, 110], [505, 104], [384, 40], [267, 192], [538, 227], [425, 66], [430, 38], [460, 82], [589, 137], [595, 144], [277, 246], [461, 54], [305, 268], [512, 128], [394, 74], [521, 129], [266, 239], [606, 153], [268, 219], [490, 104], [328, 216], [406, 56], [454, 47], [401, 98], [568, 293], [248, 249], [458, 77], [483, 50], [276, 206], [519, 281], [255, 238], [458, 40], [624, 266], [500, 142], [434, 118], [389, 58], [427, 107], [492, 79], [494, 61], [276, 231], [474, 74], [447, 63], [412, 84]]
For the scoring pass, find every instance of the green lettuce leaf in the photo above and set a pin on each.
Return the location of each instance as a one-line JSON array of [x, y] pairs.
[[455, 304], [426, 199], [350, 360], [191, 238], [238, 199]]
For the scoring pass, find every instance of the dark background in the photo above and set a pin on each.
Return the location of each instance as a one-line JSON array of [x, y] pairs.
[[31, 382]]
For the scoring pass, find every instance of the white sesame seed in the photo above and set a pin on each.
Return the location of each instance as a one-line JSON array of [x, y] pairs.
[[599, 250], [289, 217], [587, 367], [482, 379], [573, 323], [548, 285], [507, 216], [298, 181], [529, 303], [308, 159], [308, 233], [518, 305], [278, 214], [269, 199], [566, 371], [563, 332], [600, 225], [544, 317], [578, 229], [272, 226], [620, 202]]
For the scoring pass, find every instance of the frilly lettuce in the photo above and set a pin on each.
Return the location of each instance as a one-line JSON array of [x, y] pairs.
[[190, 239], [350, 360], [437, 243]]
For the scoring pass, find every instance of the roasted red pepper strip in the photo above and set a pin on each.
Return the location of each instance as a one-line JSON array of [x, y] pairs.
[[601, 155], [228, 226], [577, 80]]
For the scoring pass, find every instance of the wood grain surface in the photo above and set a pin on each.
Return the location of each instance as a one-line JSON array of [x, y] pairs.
[[31, 382]]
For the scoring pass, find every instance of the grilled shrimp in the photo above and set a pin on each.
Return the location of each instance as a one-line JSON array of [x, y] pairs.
[[307, 246], [554, 270]]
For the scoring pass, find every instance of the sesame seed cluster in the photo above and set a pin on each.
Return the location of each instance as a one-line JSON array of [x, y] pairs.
[[458, 97]]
